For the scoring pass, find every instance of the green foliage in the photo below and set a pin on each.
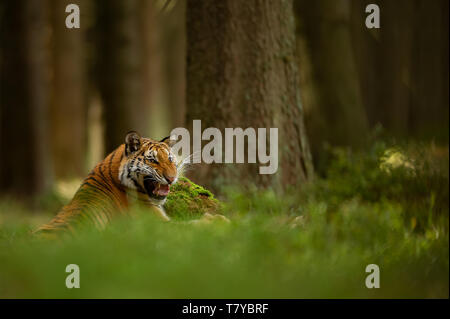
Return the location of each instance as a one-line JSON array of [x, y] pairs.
[[414, 176], [313, 242]]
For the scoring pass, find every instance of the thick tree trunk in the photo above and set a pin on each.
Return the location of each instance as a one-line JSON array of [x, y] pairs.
[[242, 72], [68, 108], [25, 164]]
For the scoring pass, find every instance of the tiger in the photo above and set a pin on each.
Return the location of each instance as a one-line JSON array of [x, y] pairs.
[[140, 171]]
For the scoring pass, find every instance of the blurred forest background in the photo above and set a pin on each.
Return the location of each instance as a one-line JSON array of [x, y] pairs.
[[363, 119], [68, 96]]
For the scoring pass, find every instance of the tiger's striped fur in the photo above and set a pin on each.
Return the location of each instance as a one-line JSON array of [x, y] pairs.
[[137, 172]]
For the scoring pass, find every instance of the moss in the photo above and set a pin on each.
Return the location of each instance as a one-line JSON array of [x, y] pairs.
[[187, 199]]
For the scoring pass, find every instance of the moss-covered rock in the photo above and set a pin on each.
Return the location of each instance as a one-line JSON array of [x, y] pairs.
[[189, 200]]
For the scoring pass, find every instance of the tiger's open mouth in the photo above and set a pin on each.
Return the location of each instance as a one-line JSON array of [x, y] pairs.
[[156, 190]]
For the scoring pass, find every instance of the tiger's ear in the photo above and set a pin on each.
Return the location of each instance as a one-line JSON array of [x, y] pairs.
[[132, 142], [169, 140]]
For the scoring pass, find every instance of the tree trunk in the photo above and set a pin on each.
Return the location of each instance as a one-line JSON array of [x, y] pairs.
[[153, 78], [25, 164], [334, 111], [120, 70], [403, 66], [174, 43], [396, 39], [367, 48], [429, 72], [242, 72], [68, 108]]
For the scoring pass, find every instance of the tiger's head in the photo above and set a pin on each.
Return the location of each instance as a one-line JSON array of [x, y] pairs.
[[149, 166]]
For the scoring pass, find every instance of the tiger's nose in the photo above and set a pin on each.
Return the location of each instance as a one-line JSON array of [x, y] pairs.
[[169, 179]]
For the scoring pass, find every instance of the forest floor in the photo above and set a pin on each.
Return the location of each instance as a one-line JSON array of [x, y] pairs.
[[387, 205]]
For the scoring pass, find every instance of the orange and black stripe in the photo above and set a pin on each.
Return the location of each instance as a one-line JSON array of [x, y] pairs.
[[100, 197]]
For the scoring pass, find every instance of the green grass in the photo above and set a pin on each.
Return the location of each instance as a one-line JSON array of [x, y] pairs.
[[357, 213]]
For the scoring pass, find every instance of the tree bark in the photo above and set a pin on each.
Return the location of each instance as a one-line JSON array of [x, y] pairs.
[[242, 72]]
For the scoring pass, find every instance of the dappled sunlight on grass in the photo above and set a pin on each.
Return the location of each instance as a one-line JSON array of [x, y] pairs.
[[393, 159]]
